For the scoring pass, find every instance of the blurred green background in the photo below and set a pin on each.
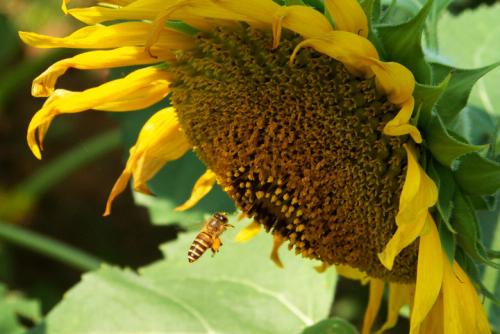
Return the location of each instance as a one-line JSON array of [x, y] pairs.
[[51, 229]]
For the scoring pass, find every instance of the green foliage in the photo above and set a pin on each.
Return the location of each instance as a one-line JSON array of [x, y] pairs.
[[331, 326], [10, 43], [455, 98], [470, 40], [403, 43], [446, 147], [13, 306], [238, 291]]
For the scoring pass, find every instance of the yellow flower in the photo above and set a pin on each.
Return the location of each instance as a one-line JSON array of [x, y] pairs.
[[299, 120]]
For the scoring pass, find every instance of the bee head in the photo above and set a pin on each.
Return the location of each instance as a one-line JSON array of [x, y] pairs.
[[221, 216]]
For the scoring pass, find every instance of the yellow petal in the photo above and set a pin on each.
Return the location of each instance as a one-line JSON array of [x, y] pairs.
[[427, 286], [348, 16], [248, 233], [376, 292], [202, 187], [360, 56], [106, 37], [351, 273], [350, 49], [188, 9], [160, 140], [393, 79], [278, 240], [400, 124], [64, 102], [418, 195], [434, 321], [122, 181], [64, 6], [305, 21], [462, 309], [258, 10], [322, 267], [139, 99], [44, 84], [399, 296]]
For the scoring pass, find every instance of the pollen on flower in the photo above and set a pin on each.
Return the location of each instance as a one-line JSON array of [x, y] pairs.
[[298, 147]]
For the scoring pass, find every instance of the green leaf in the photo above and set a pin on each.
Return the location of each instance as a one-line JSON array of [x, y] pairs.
[[372, 12], [12, 306], [403, 44], [316, 4], [455, 98], [238, 291], [476, 125], [426, 97], [477, 175], [466, 224], [443, 178], [10, 41], [470, 40], [448, 242], [444, 145], [331, 326]]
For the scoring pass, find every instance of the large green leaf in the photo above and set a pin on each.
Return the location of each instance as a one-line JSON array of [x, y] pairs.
[[477, 175], [13, 306], [238, 291], [445, 147], [470, 40], [331, 326], [461, 83], [403, 44]]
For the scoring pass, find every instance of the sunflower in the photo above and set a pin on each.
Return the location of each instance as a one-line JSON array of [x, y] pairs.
[[330, 131]]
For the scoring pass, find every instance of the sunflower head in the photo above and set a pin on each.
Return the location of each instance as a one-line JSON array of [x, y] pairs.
[[321, 120]]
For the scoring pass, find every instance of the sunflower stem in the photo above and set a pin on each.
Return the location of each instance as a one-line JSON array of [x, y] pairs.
[[70, 161], [14, 204], [49, 247]]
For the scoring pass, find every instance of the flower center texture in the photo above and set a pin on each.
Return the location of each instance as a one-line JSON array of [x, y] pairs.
[[299, 147]]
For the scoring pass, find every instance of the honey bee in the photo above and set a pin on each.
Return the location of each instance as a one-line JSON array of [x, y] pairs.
[[209, 236]]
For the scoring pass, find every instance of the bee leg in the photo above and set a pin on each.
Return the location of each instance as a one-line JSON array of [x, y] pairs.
[[215, 246]]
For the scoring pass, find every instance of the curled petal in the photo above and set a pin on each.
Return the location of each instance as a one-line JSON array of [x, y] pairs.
[[348, 16], [361, 58], [399, 295], [427, 286], [248, 232], [161, 140], [351, 273], [400, 125], [393, 79], [348, 48], [107, 37], [202, 187], [418, 195], [149, 80], [376, 292], [305, 21], [44, 84], [278, 240]]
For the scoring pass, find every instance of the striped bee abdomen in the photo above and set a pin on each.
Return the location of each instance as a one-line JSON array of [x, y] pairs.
[[201, 243]]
